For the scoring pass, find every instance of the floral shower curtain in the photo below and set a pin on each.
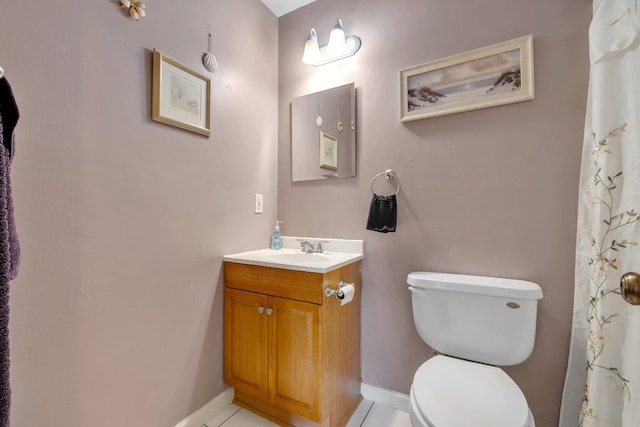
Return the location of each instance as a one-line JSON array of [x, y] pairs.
[[602, 387]]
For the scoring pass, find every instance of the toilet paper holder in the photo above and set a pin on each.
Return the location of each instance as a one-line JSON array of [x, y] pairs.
[[329, 291]]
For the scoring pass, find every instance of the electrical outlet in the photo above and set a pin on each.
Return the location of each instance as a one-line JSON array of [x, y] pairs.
[[259, 207]]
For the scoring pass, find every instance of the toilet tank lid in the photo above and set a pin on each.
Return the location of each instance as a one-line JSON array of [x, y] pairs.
[[482, 285]]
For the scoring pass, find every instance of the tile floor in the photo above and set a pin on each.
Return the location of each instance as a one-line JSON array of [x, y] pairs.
[[368, 414]]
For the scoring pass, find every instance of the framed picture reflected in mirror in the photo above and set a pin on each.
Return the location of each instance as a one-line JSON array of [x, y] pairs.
[[328, 151]]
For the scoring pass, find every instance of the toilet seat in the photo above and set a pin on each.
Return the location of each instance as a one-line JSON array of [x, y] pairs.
[[449, 392]]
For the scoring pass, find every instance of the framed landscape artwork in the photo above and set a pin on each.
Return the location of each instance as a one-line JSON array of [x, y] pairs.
[[494, 75]]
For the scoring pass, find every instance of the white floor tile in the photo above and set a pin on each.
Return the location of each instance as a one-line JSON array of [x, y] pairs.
[[222, 416], [360, 413], [384, 416], [244, 418], [368, 414]]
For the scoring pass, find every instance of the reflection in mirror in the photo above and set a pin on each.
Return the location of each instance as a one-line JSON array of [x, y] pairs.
[[323, 134]]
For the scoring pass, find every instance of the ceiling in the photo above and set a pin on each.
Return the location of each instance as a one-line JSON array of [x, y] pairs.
[[282, 7]]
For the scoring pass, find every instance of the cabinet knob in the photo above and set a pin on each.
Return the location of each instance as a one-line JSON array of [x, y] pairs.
[[269, 312], [260, 310]]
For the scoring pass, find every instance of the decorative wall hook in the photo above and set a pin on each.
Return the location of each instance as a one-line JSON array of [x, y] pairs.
[[136, 8], [208, 60]]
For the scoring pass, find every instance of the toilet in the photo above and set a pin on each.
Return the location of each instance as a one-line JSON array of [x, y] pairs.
[[474, 324]]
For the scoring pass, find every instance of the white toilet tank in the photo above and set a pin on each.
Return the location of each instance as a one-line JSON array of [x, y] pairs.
[[483, 319]]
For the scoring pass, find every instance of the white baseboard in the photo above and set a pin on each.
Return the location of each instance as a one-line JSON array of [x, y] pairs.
[[390, 398], [209, 410]]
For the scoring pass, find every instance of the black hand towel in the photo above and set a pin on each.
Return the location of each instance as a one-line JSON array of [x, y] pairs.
[[9, 245], [383, 213]]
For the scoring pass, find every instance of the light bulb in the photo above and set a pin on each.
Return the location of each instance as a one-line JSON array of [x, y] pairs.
[[311, 53], [337, 43]]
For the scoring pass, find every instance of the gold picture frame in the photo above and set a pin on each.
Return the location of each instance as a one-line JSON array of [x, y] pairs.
[[487, 77], [180, 97], [328, 151]]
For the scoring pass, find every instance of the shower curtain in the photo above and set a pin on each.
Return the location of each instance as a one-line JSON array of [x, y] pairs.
[[602, 386]]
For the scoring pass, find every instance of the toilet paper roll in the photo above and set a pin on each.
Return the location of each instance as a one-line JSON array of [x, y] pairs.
[[346, 294]]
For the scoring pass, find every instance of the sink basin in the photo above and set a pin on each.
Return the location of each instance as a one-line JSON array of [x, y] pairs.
[[295, 257]]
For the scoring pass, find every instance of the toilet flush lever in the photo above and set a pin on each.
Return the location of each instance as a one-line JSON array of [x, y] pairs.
[[417, 290]]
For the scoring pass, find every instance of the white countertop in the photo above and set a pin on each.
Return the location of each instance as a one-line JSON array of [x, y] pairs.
[[336, 253]]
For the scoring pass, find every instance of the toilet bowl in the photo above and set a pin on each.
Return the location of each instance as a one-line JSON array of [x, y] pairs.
[[449, 392], [475, 324]]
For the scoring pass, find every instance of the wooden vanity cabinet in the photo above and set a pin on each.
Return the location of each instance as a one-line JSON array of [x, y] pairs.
[[291, 353]]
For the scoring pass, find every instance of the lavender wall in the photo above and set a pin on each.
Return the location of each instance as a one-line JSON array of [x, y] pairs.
[[116, 316], [489, 192]]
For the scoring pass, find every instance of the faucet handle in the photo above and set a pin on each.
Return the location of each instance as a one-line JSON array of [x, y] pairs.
[[320, 242]]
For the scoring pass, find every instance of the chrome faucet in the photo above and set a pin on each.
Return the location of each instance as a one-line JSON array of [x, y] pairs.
[[307, 246]]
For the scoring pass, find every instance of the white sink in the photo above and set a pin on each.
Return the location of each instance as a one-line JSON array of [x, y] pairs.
[[337, 253]]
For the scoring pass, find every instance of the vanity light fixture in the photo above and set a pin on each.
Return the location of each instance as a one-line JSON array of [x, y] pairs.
[[339, 47]]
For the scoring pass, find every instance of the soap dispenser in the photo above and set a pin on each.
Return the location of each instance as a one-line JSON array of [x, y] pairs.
[[276, 239]]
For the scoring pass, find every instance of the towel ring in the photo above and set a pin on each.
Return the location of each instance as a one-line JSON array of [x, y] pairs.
[[389, 174]]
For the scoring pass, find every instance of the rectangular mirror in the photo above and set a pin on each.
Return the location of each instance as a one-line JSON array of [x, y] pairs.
[[323, 134]]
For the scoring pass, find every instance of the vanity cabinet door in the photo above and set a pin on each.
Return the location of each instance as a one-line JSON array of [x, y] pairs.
[[294, 356], [245, 341]]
